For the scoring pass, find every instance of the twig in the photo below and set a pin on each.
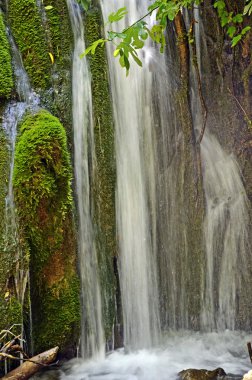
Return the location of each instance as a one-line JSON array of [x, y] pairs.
[[249, 351], [8, 356], [140, 19], [239, 104]]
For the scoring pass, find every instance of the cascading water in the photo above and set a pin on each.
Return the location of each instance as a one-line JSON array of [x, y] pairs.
[[225, 226], [134, 146], [12, 115], [14, 112], [226, 235], [92, 340], [150, 221]]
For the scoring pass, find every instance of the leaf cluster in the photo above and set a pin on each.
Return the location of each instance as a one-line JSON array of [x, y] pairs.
[[232, 22], [133, 38]]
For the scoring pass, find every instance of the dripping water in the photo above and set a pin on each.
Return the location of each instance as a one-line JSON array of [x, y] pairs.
[[92, 340]]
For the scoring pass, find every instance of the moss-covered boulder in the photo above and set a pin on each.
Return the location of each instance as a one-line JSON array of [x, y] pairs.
[[6, 78], [26, 27], [42, 186]]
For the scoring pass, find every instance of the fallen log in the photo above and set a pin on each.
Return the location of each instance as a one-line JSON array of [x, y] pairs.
[[32, 365]]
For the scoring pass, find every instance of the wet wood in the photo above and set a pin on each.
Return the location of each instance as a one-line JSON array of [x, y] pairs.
[[183, 48], [33, 365]]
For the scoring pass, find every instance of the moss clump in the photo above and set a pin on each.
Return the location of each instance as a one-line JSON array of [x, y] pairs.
[[26, 27], [104, 181], [42, 186], [6, 79]]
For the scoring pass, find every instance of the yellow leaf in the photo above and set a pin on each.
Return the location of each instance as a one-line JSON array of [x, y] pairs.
[[52, 58], [7, 294]]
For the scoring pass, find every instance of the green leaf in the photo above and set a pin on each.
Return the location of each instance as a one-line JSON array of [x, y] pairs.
[[248, 8], [117, 16], [231, 31], [219, 5], [112, 35], [237, 18], [85, 4], [116, 52], [245, 30], [143, 34], [236, 39], [224, 18], [136, 59], [138, 44], [92, 48], [48, 7]]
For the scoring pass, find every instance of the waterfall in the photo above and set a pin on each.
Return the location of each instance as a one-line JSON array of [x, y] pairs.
[[135, 198], [226, 235], [225, 226], [92, 340], [12, 115]]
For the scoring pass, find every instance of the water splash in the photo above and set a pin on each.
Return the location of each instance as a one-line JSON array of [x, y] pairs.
[[92, 340], [181, 351]]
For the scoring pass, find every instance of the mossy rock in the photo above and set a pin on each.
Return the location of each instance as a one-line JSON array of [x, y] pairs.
[[105, 174], [6, 78], [59, 32], [42, 187], [59, 39], [26, 27]]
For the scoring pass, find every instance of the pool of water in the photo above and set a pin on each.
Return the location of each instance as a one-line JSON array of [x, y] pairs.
[[179, 351]]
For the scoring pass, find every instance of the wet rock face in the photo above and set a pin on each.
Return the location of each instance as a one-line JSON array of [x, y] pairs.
[[201, 374]]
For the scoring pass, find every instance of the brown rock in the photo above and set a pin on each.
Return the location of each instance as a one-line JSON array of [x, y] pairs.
[[201, 374]]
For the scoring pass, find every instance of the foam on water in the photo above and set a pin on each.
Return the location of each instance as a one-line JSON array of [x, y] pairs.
[[182, 350]]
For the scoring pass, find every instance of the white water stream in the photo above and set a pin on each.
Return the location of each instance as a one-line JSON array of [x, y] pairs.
[[226, 235], [12, 115], [135, 192], [226, 225], [139, 189], [92, 339]]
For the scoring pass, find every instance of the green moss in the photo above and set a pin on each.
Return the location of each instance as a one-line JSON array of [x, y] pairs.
[[61, 303], [59, 30], [4, 169], [6, 79], [104, 182], [42, 186], [10, 308], [11, 311], [26, 27], [58, 33]]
